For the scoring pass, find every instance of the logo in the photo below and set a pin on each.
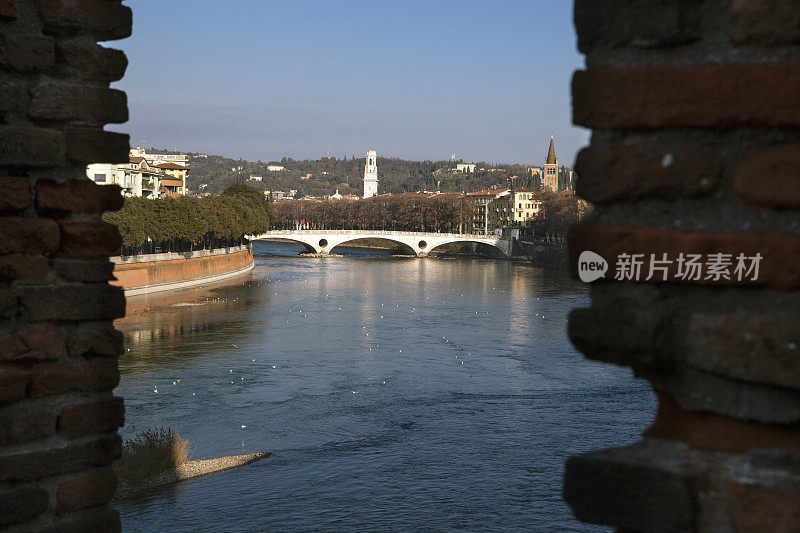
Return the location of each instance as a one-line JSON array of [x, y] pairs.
[[591, 266]]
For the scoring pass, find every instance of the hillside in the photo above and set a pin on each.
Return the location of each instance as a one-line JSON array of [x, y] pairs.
[[329, 174]]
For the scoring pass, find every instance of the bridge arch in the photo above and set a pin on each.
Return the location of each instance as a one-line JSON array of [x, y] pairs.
[[405, 245], [475, 241], [309, 247]]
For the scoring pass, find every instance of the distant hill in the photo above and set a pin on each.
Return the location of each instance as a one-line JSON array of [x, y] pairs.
[[330, 173]]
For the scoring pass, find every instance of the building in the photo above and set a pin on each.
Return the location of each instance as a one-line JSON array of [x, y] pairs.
[[518, 207], [465, 168], [155, 157], [371, 174], [254, 178], [486, 210], [137, 177], [174, 181], [144, 175], [275, 167], [551, 168]]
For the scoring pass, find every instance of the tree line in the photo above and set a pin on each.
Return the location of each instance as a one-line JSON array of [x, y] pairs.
[[441, 214], [187, 223]]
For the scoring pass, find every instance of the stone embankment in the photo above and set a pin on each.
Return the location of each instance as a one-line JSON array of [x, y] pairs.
[[145, 274], [193, 469]]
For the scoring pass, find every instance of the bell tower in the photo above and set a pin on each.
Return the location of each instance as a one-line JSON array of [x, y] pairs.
[[371, 174], [551, 168]]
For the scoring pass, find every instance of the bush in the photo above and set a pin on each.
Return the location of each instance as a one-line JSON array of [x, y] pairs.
[[148, 454]]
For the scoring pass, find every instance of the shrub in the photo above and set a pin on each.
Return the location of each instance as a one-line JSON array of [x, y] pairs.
[[148, 454]]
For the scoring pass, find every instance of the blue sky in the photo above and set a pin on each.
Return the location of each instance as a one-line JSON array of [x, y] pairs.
[[488, 80]]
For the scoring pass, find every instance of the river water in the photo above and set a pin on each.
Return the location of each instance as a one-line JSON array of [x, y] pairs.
[[395, 394]]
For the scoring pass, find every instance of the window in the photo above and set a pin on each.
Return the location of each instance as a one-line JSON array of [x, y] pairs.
[[100, 178]]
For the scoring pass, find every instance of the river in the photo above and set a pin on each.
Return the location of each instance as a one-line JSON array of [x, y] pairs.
[[395, 394]]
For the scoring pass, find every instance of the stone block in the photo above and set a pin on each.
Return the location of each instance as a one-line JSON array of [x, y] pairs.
[[25, 422], [88, 239], [709, 96], [85, 491], [26, 52], [28, 235], [89, 418], [21, 504], [76, 376], [90, 301], [94, 145], [76, 196], [72, 101], [31, 342], [16, 195], [770, 178], [30, 465], [105, 20], [765, 22], [621, 171], [83, 58], [31, 146]]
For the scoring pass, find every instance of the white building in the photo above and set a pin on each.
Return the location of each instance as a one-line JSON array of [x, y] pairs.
[[155, 158], [254, 178], [137, 177], [275, 168], [465, 167], [371, 174]]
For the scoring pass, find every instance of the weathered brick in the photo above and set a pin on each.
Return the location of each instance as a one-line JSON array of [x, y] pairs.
[[87, 239], [94, 338], [76, 196], [638, 24], [770, 178], [609, 488], [26, 422], [95, 301], [712, 431], [28, 235], [754, 508], [765, 22], [92, 417], [16, 194], [713, 96], [761, 348], [86, 491], [105, 20], [638, 336], [25, 267], [32, 465], [13, 383], [21, 504], [103, 518], [9, 305], [29, 146], [620, 171], [83, 269], [71, 101], [31, 342], [75, 376], [13, 93], [779, 267], [94, 145], [8, 10], [26, 52], [86, 59]]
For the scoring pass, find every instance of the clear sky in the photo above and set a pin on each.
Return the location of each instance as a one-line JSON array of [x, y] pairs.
[[488, 80]]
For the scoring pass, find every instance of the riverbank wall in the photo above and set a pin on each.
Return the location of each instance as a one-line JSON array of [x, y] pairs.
[[144, 274]]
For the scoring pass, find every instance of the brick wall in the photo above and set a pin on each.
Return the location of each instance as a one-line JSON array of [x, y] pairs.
[[695, 112], [58, 347]]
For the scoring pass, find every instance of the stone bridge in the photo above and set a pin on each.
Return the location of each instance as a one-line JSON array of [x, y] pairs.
[[421, 244]]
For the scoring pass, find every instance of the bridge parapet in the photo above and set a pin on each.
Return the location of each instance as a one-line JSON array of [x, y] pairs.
[[421, 243]]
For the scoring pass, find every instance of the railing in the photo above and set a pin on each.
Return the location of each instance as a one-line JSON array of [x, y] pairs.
[[470, 236]]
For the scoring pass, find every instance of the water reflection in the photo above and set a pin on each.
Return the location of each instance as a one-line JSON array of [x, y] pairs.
[[394, 392]]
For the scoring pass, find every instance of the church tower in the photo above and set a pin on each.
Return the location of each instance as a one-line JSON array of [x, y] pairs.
[[551, 168], [371, 174]]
